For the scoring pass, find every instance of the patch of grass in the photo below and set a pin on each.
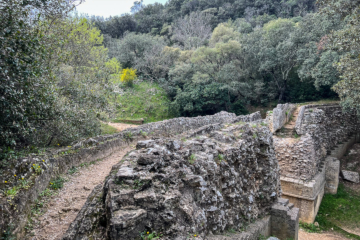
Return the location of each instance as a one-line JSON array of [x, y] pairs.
[[144, 100], [296, 135], [107, 129], [73, 170], [341, 208], [144, 134], [261, 237], [309, 227], [192, 159], [128, 136], [12, 192], [138, 184]]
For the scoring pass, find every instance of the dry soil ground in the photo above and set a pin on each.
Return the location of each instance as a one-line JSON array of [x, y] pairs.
[[64, 207]]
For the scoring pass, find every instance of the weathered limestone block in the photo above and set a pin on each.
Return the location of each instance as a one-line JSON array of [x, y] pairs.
[[284, 220], [305, 195], [332, 170], [350, 176], [254, 231], [280, 115]]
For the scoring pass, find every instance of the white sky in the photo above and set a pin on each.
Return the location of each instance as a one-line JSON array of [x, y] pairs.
[[108, 8]]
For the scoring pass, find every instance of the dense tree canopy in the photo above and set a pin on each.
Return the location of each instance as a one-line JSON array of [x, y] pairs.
[[58, 71], [54, 76]]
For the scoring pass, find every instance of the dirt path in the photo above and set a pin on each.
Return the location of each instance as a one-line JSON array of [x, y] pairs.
[[320, 236], [121, 126], [64, 207]]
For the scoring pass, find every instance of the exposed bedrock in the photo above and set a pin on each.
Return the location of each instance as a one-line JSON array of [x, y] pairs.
[[211, 180]]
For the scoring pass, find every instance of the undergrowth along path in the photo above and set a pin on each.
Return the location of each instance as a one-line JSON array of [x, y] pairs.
[[63, 207]]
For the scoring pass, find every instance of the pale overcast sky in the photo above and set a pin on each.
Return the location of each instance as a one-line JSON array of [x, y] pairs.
[[108, 8]]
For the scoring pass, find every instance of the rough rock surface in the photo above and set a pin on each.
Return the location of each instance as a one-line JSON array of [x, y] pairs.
[[350, 176], [320, 128], [212, 179], [279, 116], [14, 211]]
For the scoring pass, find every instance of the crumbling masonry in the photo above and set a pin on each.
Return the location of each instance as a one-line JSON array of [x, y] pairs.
[[308, 146]]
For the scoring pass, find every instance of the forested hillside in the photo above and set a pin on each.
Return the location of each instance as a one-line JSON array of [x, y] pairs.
[[226, 55], [62, 73]]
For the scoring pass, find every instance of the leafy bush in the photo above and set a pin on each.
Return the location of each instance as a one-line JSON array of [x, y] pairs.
[[128, 76]]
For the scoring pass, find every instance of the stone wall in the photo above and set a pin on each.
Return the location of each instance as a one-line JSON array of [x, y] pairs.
[[279, 116], [321, 128], [14, 211], [204, 182], [308, 160]]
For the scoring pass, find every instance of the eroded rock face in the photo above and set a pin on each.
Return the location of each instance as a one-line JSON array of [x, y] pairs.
[[213, 179]]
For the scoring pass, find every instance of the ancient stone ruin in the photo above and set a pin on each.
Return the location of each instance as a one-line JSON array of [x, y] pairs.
[[203, 183], [308, 146], [216, 177]]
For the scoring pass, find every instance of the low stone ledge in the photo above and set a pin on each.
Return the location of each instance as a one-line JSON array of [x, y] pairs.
[[303, 189], [256, 230]]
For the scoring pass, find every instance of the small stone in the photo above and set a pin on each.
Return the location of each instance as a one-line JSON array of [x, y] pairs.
[[350, 176], [86, 188]]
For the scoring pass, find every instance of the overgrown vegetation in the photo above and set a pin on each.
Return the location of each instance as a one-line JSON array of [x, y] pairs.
[[55, 77], [144, 100], [107, 129]]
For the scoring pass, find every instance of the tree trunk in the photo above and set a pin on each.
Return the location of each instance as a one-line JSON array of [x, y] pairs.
[[282, 93]]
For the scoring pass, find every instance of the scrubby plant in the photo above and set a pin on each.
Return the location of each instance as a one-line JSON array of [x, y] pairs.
[[37, 169], [73, 170], [57, 183], [128, 75], [12, 192], [192, 158], [147, 235], [143, 133], [128, 135]]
